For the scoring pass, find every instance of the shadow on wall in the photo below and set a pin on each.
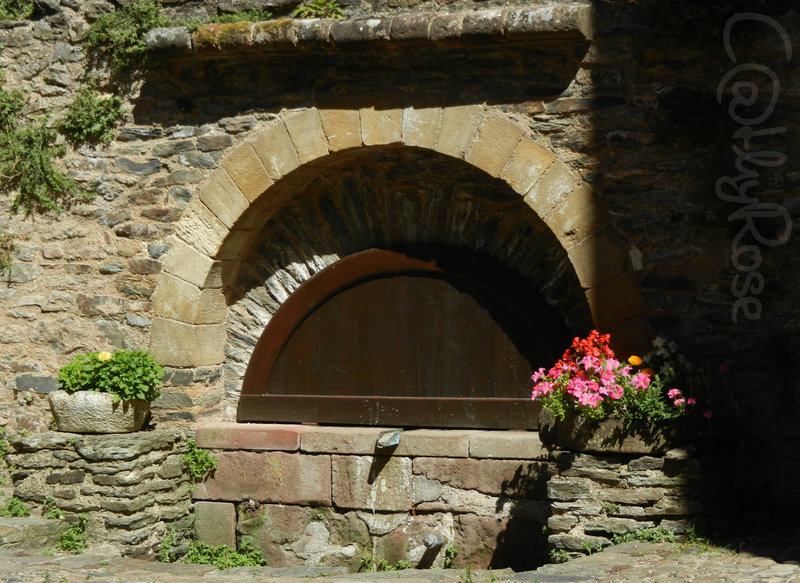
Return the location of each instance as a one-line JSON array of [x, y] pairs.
[[197, 90], [664, 119]]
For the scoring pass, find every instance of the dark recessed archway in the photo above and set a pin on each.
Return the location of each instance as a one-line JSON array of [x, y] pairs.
[[411, 336]]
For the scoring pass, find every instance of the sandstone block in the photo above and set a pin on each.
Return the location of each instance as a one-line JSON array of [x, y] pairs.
[[244, 167], [421, 126], [610, 526], [602, 258], [180, 300], [222, 195], [381, 126], [215, 523], [458, 128], [342, 128], [619, 297], [578, 216], [273, 526], [185, 262], [521, 445], [202, 229], [276, 150], [527, 163], [434, 443], [178, 344], [631, 495], [308, 137], [551, 188], [497, 477], [372, 483], [269, 477], [347, 440], [496, 140], [253, 437]]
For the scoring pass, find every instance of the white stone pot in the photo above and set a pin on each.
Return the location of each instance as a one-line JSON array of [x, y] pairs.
[[93, 412]]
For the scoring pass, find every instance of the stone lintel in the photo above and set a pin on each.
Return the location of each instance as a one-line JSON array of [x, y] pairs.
[[536, 23]]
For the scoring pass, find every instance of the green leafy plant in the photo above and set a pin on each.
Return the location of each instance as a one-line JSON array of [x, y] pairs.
[[73, 540], [27, 151], [14, 507], [16, 9], [320, 9], [119, 36], [198, 461], [656, 534], [254, 15], [559, 556], [50, 510], [90, 118], [168, 543], [608, 508], [126, 374], [450, 555], [466, 576], [7, 248], [224, 557]]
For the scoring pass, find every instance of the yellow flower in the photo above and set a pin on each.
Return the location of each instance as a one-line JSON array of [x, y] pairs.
[[634, 360], [104, 355]]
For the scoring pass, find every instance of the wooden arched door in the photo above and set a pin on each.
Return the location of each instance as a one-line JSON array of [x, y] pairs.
[[413, 337]]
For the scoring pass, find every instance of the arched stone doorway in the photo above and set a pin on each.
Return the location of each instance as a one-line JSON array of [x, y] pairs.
[[242, 249]]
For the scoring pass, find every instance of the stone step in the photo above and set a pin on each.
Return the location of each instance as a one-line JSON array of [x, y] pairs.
[[31, 533]]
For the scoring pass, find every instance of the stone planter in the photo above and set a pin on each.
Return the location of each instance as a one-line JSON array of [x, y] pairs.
[[577, 433], [93, 412]]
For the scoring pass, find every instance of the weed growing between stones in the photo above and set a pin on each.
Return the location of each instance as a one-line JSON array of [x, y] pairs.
[[450, 554], [14, 507], [199, 461], [73, 540], [118, 36], [167, 544], [90, 118], [320, 9], [50, 510], [224, 557], [369, 565], [16, 9], [559, 556], [7, 248], [658, 534]]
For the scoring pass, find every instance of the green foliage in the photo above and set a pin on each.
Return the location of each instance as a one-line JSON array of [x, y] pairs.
[[26, 161], [254, 15], [559, 555], [198, 461], [320, 9], [89, 118], [7, 248], [119, 35], [50, 510], [167, 544], [126, 374], [5, 446], [369, 565], [450, 554], [466, 576], [224, 557], [609, 508], [73, 540], [15, 507], [16, 9], [656, 534]]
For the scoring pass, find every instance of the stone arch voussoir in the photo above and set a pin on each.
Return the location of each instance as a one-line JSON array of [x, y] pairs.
[[189, 302]]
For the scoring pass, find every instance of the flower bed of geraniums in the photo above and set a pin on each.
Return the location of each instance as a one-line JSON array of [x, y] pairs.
[[104, 392], [593, 402]]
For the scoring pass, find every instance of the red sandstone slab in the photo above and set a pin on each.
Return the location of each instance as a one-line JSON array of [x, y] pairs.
[[249, 436], [268, 477], [522, 445]]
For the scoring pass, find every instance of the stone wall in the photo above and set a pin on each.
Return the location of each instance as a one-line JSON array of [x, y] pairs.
[[132, 487], [332, 496], [635, 109]]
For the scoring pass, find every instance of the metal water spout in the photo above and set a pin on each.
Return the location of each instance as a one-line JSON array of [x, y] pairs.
[[433, 541], [390, 438]]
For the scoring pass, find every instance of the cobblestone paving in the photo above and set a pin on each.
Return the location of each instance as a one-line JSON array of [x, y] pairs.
[[778, 562]]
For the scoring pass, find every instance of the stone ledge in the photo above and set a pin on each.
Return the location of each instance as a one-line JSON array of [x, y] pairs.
[[548, 21], [345, 440]]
